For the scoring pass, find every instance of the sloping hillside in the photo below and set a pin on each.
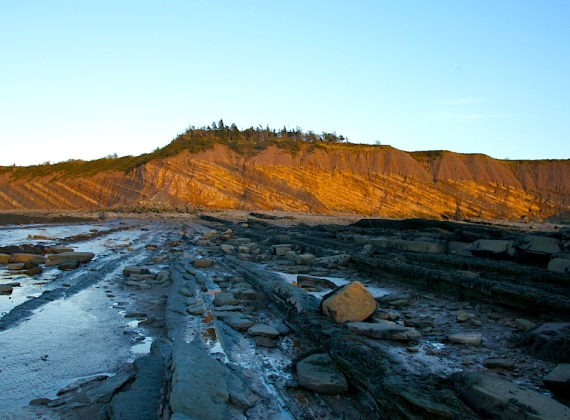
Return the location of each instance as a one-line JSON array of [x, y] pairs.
[[321, 178]]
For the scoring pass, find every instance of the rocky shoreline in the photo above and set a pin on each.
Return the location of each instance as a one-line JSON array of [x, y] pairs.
[[283, 316]]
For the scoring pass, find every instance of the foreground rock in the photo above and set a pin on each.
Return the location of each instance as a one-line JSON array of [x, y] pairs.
[[558, 381], [320, 374], [351, 302], [203, 388], [493, 397], [142, 401]]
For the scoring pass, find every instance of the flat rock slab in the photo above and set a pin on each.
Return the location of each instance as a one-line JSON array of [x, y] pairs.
[[263, 330], [383, 329], [558, 380], [238, 323], [351, 302], [494, 397], [77, 256], [195, 309], [223, 299], [105, 391], [473, 339], [203, 387], [320, 374], [142, 401]]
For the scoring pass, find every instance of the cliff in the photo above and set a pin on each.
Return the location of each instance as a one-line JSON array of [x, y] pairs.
[[323, 178]]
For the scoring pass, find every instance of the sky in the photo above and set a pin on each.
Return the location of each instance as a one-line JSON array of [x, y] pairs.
[[83, 80]]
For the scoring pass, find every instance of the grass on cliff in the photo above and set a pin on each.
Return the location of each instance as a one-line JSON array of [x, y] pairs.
[[246, 142]]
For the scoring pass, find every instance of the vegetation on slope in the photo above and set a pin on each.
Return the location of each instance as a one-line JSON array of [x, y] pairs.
[[246, 142]]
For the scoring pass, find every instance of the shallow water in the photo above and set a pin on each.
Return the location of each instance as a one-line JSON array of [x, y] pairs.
[[48, 350], [15, 235], [106, 248]]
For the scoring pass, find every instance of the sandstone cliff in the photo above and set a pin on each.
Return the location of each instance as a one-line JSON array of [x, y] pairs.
[[340, 178]]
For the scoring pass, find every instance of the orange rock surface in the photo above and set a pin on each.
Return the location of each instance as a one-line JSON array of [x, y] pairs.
[[359, 179]]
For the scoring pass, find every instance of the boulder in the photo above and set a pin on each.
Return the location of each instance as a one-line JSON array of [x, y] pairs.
[[203, 263], [472, 339], [21, 257], [320, 374], [242, 249], [559, 265], [462, 316], [351, 302], [244, 257], [4, 258], [6, 289], [304, 259], [384, 329], [78, 256], [524, 325], [494, 397], [15, 266], [558, 380]]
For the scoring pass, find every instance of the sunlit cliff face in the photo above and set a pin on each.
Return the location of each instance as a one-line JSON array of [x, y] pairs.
[[367, 180]]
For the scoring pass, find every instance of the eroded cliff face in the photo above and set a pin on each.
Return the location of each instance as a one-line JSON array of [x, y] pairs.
[[371, 181]]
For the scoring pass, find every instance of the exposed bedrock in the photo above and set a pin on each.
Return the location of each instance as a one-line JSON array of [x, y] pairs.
[[364, 180]]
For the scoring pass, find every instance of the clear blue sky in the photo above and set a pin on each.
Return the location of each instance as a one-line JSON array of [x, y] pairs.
[[83, 79]]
